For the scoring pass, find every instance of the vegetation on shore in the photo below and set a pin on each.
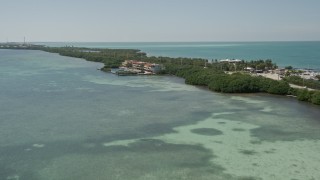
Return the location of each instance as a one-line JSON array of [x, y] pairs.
[[196, 71], [297, 80], [111, 58], [306, 95]]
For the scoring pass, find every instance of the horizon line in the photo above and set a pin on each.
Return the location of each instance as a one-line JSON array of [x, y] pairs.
[[169, 41], [160, 41]]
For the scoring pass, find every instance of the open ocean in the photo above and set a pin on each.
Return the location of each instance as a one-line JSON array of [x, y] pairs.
[[296, 54], [62, 119]]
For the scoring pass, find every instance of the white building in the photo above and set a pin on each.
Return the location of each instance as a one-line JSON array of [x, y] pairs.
[[230, 60]]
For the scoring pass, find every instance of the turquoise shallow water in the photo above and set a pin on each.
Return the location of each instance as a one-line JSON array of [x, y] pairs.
[[61, 118], [297, 54]]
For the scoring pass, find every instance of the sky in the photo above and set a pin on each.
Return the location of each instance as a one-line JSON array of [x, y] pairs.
[[159, 20]]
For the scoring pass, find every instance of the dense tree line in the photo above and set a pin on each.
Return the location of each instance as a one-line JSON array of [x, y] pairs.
[[306, 95], [112, 58], [234, 83]]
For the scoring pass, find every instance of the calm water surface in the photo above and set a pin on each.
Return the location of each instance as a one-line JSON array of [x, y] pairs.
[[60, 118]]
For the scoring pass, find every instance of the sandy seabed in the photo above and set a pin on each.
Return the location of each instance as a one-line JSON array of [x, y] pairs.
[[242, 155]]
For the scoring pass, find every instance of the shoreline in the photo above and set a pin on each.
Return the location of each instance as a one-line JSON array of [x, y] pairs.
[[90, 53], [155, 50]]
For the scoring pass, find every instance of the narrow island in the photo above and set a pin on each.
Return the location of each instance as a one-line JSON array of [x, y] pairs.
[[225, 76]]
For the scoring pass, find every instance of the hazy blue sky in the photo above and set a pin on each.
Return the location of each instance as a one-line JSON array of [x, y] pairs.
[[159, 20]]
